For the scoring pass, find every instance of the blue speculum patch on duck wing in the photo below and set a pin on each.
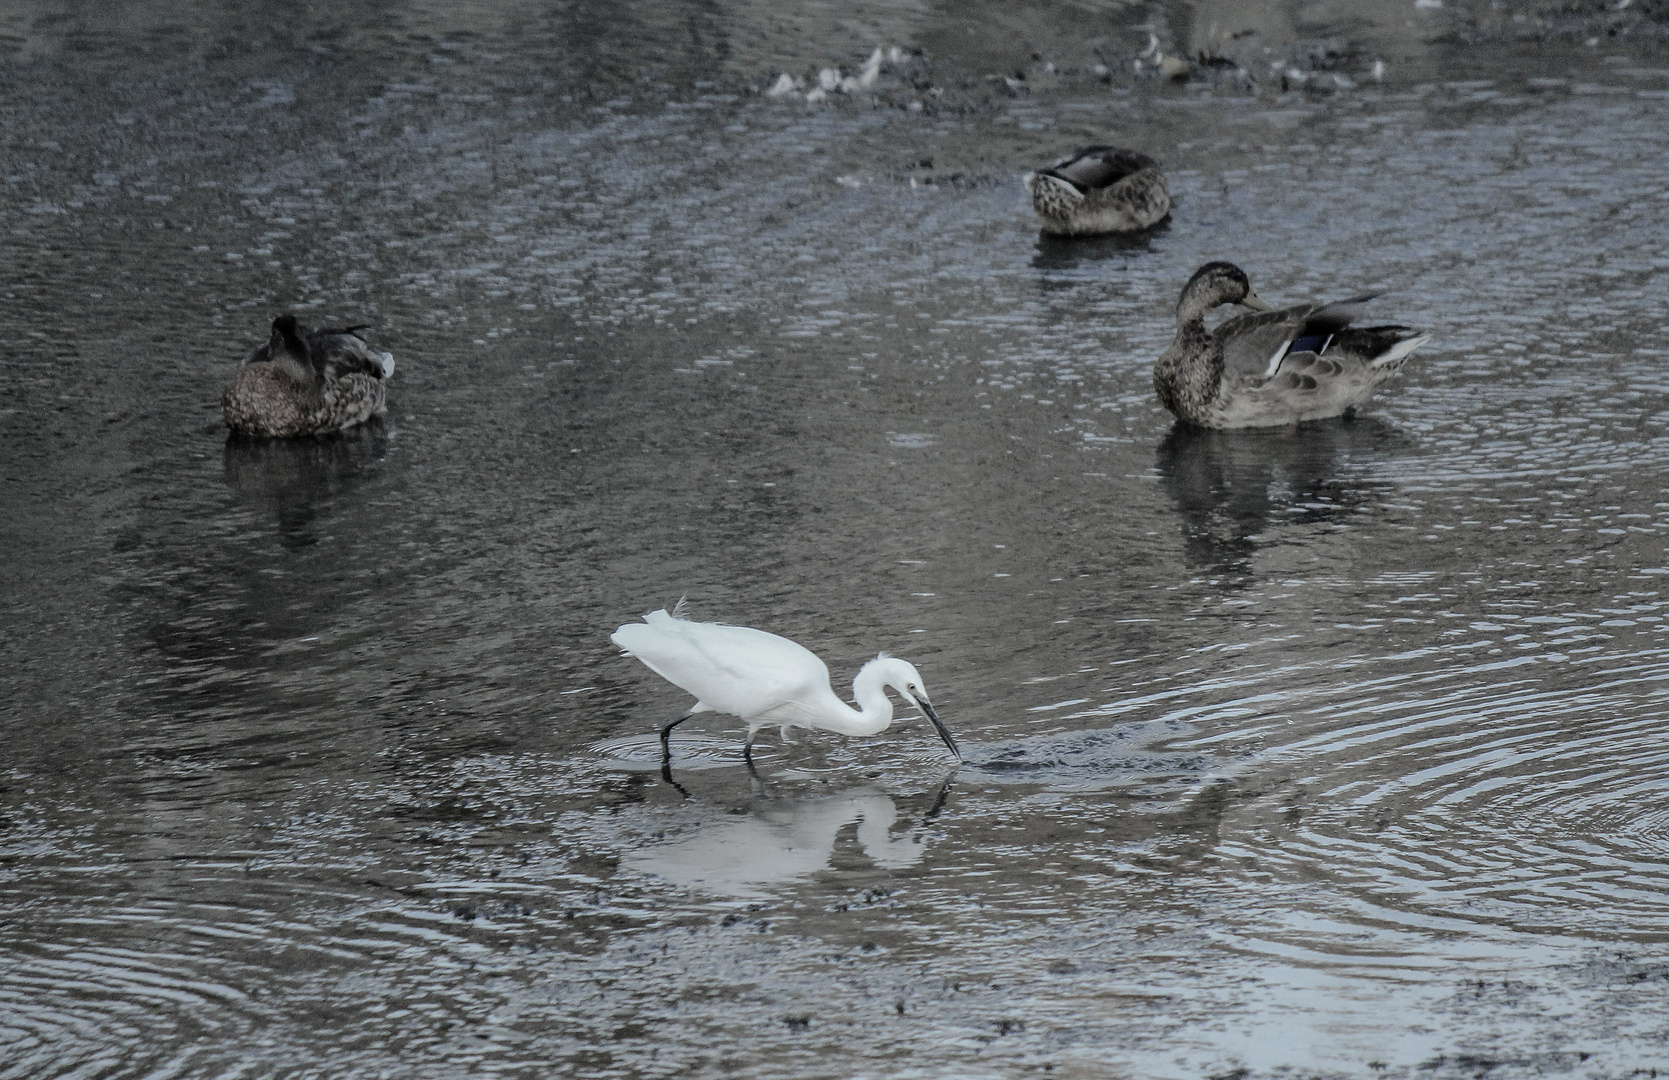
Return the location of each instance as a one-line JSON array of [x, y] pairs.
[[1315, 343]]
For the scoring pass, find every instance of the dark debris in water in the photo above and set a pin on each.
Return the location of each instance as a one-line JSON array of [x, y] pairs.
[[491, 909], [1085, 756]]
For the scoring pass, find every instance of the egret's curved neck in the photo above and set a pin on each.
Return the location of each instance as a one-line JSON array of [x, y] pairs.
[[874, 711]]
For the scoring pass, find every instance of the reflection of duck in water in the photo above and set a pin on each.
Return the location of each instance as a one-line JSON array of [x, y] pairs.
[[291, 478], [781, 842], [307, 382], [1231, 487], [1070, 252], [1269, 368], [1100, 189]]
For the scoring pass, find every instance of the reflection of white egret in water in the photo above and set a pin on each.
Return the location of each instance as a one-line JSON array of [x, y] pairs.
[[779, 842]]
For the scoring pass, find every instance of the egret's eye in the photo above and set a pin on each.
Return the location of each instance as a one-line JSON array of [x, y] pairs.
[[912, 687]]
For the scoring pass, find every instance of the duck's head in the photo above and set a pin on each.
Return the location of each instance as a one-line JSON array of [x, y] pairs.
[[287, 336], [287, 348], [1214, 284]]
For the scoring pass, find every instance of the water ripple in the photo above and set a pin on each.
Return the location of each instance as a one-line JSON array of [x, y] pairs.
[[1526, 803]]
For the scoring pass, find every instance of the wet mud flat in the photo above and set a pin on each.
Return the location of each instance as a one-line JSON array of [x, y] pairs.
[[1330, 752]]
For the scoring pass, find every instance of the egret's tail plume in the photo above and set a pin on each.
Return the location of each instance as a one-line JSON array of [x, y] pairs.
[[682, 608]]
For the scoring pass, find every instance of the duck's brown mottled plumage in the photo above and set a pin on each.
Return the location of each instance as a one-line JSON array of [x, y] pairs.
[[307, 382], [1099, 189], [1269, 368]]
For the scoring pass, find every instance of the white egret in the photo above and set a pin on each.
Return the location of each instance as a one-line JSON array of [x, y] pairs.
[[766, 679]]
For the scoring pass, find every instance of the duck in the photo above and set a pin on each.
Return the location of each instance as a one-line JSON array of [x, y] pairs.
[[304, 381], [1272, 367], [1099, 189]]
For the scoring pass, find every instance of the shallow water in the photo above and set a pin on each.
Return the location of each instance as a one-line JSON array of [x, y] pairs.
[[1336, 751]]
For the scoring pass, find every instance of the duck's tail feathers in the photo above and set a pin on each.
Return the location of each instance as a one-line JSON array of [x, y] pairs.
[[1393, 358]]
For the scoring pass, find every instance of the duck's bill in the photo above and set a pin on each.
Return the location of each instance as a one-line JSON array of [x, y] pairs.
[[1253, 303], [928, 711]]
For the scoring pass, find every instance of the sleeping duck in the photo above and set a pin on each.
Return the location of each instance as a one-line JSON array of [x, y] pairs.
[[1271, 367], [1100, 189], [307, 382]]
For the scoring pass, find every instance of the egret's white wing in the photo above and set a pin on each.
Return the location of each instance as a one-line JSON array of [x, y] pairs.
[[733, 669]]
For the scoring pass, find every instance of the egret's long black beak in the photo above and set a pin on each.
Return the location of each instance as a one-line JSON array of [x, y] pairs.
[[927, 710]]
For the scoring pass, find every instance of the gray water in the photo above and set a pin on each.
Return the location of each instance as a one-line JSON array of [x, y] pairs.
[[1337, 751]]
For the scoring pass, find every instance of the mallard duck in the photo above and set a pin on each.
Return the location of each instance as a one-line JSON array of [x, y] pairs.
[[1100, 189], [1271, 367], [307, 382]]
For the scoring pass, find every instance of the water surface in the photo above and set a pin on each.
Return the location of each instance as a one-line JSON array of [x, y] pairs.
[[1337, 750]]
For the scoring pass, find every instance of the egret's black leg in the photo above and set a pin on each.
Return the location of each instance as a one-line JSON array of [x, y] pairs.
[[747, 754], [666, 735], [666, 750]]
